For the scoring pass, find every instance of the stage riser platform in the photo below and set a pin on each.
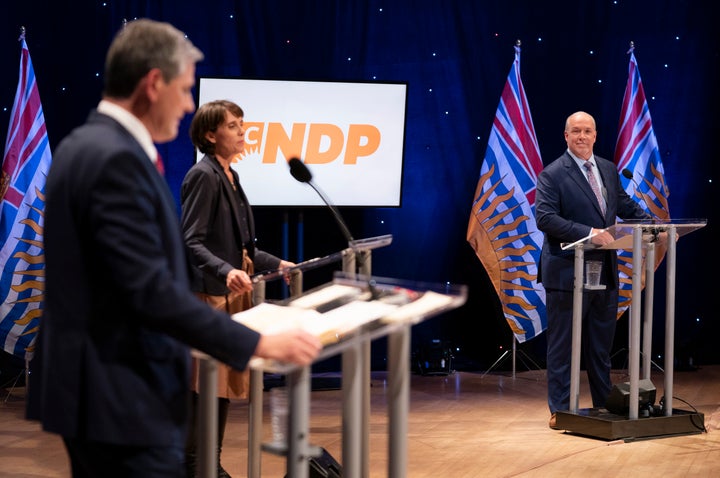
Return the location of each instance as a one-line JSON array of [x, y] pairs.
[[599, 423]]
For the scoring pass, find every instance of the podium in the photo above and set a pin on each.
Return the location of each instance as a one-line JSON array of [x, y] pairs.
[[356, 257], [355, 311], [635, 236], [207, 379]]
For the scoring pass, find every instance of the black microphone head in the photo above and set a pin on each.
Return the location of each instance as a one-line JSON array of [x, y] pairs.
[[299, 171], [627, 173]]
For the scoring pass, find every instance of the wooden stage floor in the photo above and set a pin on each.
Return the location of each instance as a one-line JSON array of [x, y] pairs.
[[464, 424]]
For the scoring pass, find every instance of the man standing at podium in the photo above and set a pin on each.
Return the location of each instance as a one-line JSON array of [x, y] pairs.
[[111, 369], [579, 194]]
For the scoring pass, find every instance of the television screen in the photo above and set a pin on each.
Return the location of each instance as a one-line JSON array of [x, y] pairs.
[[350, 135]]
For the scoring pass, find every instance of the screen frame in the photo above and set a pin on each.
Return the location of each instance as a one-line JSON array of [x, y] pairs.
[[302, 194]]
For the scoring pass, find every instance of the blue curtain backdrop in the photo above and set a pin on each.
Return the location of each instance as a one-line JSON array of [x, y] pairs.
[[454, 55]]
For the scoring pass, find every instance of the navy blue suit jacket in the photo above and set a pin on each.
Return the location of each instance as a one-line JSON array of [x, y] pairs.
[[565, 211], [113, 351]]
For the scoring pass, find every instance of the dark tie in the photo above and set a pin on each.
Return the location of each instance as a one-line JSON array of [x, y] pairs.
[[159, 165], [594, 185]]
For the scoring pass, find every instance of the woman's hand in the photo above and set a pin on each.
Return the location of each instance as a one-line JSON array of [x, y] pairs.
[[239, 281]]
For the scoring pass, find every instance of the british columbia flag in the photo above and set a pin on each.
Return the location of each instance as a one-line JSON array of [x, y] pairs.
[[637, 151], [25, 166], [502, 228]]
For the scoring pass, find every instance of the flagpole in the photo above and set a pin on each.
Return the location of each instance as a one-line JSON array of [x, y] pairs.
[[26, 371], [512, 148], [27, 150]]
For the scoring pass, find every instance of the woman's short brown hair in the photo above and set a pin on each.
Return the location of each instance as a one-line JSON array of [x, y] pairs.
[[208, 118]]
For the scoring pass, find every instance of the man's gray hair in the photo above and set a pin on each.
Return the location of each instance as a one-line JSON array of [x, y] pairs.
[[141, 46]]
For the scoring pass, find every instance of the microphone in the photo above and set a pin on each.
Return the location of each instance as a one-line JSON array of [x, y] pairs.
[[629, 175], [301, 173]]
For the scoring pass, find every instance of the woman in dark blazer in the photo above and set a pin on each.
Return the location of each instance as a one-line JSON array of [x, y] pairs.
[[219, 230]]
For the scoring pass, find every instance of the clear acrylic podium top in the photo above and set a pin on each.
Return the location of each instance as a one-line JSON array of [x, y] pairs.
[[351, 309], [354, 246], [651, 232]]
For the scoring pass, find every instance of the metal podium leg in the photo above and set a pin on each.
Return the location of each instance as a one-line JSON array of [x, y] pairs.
[[255, 414], [398, 399], [648, 320], [365, 268], [298, 453], [255, 397], [365, 421], [207, 419], [351, 412], [634, 339], [576, 329], [670, 319]]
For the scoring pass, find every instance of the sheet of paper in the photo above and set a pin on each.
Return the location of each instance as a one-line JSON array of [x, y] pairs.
[[430, 301], [325, 295], [355, 314], [268, 318]]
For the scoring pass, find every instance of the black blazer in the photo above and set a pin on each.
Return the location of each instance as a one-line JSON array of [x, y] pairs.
[[211, 226], [566, 209], [113, 351]]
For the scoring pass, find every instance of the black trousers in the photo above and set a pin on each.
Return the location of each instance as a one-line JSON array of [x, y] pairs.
[[599, 318], [89, 459]]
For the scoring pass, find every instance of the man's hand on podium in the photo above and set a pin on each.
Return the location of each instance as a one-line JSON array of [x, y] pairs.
[[294, 346], [601, 237]]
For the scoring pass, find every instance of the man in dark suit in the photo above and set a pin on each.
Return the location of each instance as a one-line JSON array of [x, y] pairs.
[[579, 194], [111, 370]]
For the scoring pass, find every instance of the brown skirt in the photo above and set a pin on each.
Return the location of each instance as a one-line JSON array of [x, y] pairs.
[[231, 383]]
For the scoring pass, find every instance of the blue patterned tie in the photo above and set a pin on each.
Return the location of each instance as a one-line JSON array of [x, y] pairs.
[[594, 185]]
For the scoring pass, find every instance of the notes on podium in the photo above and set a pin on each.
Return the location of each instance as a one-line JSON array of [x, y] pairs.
[[353, 311], [652, 231], [347, 307]]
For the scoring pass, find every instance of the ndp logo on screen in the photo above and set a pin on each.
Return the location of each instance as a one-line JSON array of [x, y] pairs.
[[316, 143]]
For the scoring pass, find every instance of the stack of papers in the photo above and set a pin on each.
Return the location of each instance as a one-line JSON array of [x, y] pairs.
[[329, 327], [333, 312]]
